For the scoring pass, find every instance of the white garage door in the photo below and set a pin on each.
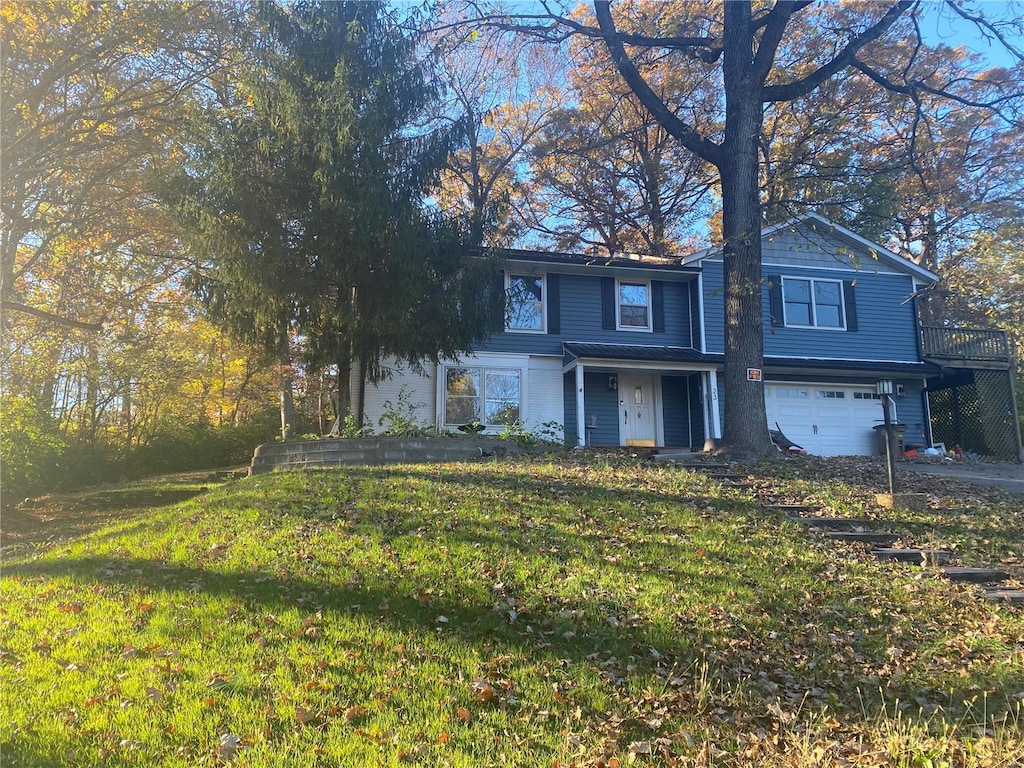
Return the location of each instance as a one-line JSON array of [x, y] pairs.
[[826, 419]]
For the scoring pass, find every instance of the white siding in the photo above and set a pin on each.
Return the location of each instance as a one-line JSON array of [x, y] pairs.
[[544, 395], [417, 389], [541, 390]]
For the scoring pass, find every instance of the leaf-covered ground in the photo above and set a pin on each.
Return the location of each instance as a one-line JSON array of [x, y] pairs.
[[586, 611]]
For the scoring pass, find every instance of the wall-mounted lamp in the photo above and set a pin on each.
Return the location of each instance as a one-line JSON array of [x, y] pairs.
[[613, 383], [883, 387]]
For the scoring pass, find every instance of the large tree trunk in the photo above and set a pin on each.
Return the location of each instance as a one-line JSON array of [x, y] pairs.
[[746, 429]]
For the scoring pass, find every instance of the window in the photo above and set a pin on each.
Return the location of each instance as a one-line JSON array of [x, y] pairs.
[[524, 304], [489, 396], [813, 303], [792, 393], [831, 394], [866, 396], [634, 305]]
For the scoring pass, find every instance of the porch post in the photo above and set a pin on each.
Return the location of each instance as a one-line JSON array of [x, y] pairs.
[[716, 418], [581, 419]]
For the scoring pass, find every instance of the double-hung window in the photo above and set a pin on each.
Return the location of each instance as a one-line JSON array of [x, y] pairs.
[[633, 300], [488, 396], [813, 303], [524, 303]]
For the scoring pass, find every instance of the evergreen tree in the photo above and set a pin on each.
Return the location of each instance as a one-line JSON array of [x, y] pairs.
[[308, 192]]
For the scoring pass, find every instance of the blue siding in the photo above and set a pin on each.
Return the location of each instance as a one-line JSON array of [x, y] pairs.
[[580, 300], [602, 404], [698, 430], [886, 325], [675, 407], [569, 405], [714, 305]]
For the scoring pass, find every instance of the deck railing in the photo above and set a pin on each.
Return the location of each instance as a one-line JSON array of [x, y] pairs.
[[964, 343]]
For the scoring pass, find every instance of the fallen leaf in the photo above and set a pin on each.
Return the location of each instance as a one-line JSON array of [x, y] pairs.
[[355, 712], [482, 691]]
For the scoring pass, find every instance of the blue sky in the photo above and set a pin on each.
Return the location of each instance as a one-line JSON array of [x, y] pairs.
[[941, 25]]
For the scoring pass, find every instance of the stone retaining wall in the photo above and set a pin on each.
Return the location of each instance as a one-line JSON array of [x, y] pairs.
[[376, 450]]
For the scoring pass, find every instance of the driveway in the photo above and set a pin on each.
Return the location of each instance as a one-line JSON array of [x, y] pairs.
[[1009, 477]]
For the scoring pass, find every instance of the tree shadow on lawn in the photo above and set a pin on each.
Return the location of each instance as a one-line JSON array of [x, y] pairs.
[[67, 517], [571, 532], [617, 650]]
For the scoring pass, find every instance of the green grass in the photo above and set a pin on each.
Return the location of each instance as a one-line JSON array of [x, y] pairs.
[[531, 612]]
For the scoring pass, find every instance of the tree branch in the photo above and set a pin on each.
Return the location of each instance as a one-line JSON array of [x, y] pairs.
[[987, 28], [688, 136], [845, 58], [11, 306], [774, 23]]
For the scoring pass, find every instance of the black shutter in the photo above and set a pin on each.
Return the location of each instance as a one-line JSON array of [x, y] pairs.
[[554, 305], [775, 300], [608, 303], [498, 302], [658, 305], [851, 305]]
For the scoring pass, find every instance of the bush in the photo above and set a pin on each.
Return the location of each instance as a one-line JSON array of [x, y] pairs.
[[201, 446], [31, 447]]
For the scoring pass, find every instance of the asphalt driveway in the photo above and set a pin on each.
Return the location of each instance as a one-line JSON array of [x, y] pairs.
[[1009, 477]]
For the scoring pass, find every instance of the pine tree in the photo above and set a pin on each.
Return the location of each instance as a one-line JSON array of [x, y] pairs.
[[308, 197]]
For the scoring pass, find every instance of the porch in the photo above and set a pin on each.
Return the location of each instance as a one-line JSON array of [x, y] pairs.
[[639, 396]]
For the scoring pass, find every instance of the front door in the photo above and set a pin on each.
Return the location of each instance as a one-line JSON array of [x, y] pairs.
[[637, 423]]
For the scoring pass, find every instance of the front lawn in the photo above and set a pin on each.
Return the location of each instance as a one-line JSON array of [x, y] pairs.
[[590, 611]]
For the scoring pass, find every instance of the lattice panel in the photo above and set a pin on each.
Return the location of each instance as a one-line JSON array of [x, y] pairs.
[[979, 416]]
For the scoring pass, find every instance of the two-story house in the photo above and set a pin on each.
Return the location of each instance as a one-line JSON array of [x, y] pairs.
[[628, 351]]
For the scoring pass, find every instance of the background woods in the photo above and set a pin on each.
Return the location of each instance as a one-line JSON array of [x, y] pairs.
[[208, 208]]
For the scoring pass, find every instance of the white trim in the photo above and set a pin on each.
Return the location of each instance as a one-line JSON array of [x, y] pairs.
[[639, 365], [772, 265], [581, 423], [659, 413], [813, 304], [716, 418], [485, 361], [649, 328], [703, 322], [875, 249], [689, 413], [859, 360], [543, 301]]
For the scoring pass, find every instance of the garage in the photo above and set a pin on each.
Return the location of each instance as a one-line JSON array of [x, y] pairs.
[[825, 419]]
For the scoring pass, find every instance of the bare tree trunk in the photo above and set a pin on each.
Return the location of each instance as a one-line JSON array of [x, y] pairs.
[[286, 386], [746, 429], [344, 388]]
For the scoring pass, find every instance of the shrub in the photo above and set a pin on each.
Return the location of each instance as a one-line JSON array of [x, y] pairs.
[[31, 446]]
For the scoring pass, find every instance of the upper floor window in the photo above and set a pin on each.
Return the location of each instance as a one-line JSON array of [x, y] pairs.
[[634, 305], [813, 303], [524, 304]]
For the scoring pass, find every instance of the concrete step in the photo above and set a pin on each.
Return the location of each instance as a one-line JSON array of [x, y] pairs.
[[974, 575], [836, 523], [866, 537], [919, 556], [1015, 596]]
